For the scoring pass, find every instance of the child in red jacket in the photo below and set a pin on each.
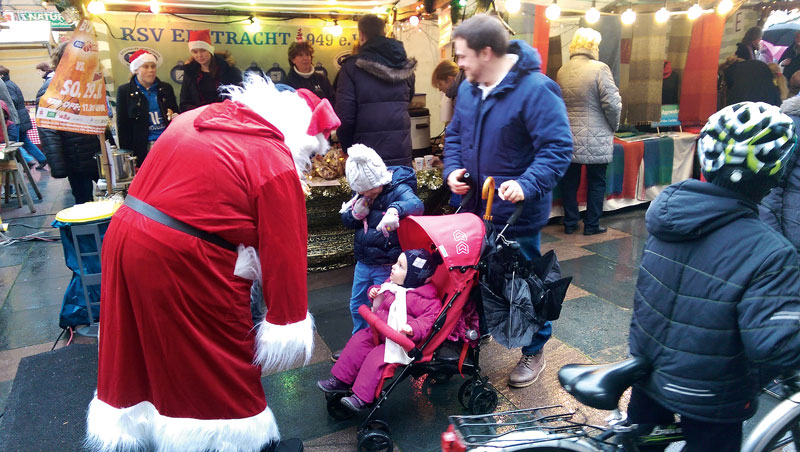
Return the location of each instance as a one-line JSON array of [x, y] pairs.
[[362, 362]]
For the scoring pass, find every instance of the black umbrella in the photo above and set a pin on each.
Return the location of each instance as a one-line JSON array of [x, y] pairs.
[[781, 34]]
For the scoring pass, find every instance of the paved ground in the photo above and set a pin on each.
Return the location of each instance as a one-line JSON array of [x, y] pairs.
[[593, 328]]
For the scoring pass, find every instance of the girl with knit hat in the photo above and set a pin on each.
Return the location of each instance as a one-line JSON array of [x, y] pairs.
[[408, 302], [382, 196], [205, 72]]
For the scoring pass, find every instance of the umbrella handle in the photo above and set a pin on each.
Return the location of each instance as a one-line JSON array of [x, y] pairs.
[[488, 195]]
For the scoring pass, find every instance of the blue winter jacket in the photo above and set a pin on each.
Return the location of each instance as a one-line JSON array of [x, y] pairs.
[[781, 207], [717, 303], [519, 132], [371, 247]]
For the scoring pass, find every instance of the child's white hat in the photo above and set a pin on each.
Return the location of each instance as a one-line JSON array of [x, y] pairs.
[[365, 169]]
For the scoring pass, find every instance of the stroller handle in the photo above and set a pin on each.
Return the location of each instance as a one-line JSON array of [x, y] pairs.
[[488, 194], [377, 324]]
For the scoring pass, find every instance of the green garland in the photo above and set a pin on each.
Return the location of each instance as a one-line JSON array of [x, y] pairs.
[[430, 179]]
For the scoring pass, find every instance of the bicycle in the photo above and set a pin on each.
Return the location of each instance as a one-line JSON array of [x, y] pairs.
[[549, 429]]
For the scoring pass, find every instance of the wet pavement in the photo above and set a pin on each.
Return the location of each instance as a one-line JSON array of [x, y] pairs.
[[593, 328]]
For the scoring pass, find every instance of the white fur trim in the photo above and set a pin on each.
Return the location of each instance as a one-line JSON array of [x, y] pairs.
[[285, 110], [142, 428], [142, 59], [201, 45], [278, 346]]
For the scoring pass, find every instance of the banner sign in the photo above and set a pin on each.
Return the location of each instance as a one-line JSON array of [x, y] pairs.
[[266, 48], [57, 22], [75, 101]]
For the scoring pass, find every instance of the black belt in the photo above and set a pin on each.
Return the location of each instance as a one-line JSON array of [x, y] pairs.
[[160, 217]]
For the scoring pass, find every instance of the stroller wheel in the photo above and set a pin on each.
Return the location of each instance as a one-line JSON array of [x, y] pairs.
[[466, 389], [374, 424], [335, 407], [440, 377], [483, 401], [375, 441]]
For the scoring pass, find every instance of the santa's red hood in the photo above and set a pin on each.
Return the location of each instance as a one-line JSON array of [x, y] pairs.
[[235, 117]]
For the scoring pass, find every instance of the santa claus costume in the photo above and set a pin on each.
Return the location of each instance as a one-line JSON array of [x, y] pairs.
[[179, 360]]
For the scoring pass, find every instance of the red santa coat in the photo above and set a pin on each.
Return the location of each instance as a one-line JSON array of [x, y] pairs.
[[176, 361]]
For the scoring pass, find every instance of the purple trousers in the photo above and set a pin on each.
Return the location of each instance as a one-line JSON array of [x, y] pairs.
[[361, 365]]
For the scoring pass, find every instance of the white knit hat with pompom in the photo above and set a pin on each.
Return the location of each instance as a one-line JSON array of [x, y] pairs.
[[365, 169]]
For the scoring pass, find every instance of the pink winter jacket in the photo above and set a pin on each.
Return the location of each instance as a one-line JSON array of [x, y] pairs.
[[422, 307]]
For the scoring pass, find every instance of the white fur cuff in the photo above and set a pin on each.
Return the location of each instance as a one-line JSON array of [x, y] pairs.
[[142, 428], [279, 346]]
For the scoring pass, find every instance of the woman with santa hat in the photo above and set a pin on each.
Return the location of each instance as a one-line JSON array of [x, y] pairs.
[[179, 363], [145, 106], [205, 72]]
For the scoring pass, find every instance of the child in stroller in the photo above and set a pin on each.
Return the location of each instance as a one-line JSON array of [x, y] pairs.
[[408, 302]]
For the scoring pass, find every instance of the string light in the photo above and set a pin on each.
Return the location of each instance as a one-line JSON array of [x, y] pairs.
[[155, 7], [662, 15], [96, 7], [593, 15], [513, 6], [694, 12], [413, 21], [336, 29], [724, 7], [462, 3], [254, 26], [553, 12], [628, 17]]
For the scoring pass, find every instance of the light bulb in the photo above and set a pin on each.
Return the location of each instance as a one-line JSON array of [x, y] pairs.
[[413, 21], [254, 26], [724, 7], [662, 15], [155, 7], [462, 3], [96, 7], [593, 15], [513, 6], [628, 17], [694, 12], [553, 12], [44, 4], [336, 29]]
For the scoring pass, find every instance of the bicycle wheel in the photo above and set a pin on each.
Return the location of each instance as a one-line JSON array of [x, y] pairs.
[[779, 431]]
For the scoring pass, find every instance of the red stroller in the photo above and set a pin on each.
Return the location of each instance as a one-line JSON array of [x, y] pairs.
[[458, 239]]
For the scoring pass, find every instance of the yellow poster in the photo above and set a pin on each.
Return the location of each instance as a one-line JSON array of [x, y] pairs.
[[75, 101]]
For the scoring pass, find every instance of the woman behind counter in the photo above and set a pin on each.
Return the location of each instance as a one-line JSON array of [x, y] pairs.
[[205, 72], [302, 73], [145, 106]]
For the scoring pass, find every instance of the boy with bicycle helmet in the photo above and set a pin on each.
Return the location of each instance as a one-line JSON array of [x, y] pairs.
[[718, 294]]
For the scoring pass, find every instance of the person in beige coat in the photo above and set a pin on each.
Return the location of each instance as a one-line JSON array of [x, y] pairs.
[[593, 107]]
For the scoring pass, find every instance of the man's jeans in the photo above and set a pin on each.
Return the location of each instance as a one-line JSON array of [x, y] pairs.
[[364, 277], [529, 245]]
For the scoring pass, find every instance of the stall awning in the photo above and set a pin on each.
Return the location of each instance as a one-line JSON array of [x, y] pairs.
[[310, 7]]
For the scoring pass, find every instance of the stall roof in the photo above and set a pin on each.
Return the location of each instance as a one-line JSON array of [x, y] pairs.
[[271, 7]]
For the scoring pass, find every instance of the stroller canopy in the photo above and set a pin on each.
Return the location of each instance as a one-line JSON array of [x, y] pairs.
[[457, 237]]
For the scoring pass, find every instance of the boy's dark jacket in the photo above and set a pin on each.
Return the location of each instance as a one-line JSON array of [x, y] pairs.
[[371, 247], [717, 302]]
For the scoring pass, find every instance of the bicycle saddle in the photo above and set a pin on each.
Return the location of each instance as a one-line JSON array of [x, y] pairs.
[[601, 386]]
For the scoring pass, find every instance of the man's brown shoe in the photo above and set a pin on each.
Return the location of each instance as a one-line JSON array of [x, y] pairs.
[[527, 371]]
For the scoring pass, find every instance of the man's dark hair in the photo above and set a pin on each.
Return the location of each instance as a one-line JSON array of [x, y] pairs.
[[371, 26], [44, 67], [481, 31], [4, 72], [296, 48]]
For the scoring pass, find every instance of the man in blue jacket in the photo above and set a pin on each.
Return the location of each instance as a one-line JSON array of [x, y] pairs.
[[717, 304], [510, 123]]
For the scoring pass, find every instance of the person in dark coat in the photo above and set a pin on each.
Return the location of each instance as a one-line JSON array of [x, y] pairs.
[[303, 75], [750, 45], [789, 58], [145, 106], [205, 72], [70, 154], [510, 123], [750, 81], [447, 77], [718, 295], [781, 207], [373, 91], [29, 150]]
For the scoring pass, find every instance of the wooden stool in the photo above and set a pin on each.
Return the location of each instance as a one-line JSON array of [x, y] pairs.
[[10, 171]]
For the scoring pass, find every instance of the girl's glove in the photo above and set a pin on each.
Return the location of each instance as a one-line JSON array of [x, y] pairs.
[[361, 207], [390, 222]]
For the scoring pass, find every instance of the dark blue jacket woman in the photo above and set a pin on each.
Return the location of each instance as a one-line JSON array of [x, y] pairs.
[[373, 91], [781, 207], [526, 138], [370, 246]]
